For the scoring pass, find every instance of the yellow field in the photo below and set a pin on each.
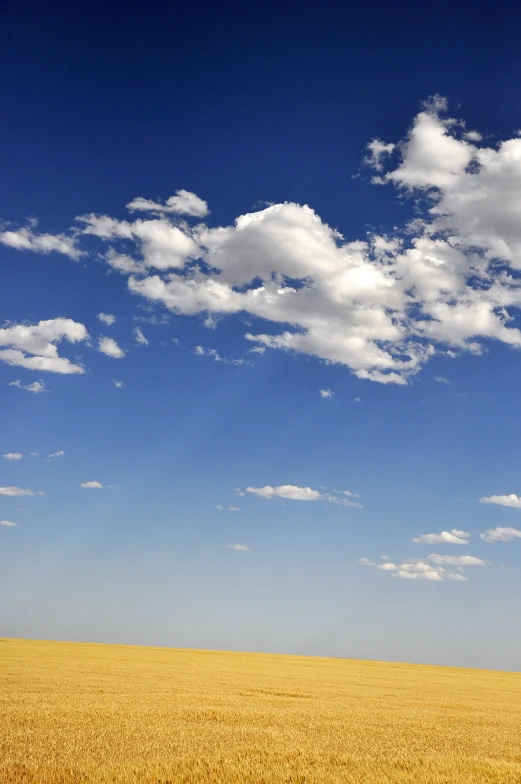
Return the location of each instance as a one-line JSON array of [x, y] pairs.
[[105, 713]]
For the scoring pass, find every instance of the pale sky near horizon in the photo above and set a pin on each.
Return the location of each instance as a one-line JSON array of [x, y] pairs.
[[260, 347]]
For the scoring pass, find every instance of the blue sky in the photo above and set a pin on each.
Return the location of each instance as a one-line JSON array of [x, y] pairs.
[[260, 330]]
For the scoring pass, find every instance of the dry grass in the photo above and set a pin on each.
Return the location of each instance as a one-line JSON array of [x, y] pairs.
[[104, 713]]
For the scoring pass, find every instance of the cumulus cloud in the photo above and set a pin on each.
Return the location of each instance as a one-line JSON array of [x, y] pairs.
[[107, 318], [33, 346], [291, 492], [91, 485], [7, 524], [183, 203], [13, 456], [419, 570], [381, 305], [26, 239], [59, 453], [109, 347], [13, 491], [503, 500], [326, 393], [239, 547], [140, 338], [36, 387], [454, 536], [501, 534]]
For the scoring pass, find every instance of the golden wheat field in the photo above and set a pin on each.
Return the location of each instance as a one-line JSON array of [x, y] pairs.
[[83, 713]]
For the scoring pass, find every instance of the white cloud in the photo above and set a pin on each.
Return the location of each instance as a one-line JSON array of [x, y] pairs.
[[91, 485], [119, 384], [419, 570], [326, 393], [233, 509], [220, 507], [36, 387], [183, 203], [7, 524], [109, 347], [501, 534], [442, 380], [34, 346], [26, 239], [107, 318], [286, 491], [381, 305], [455, 560], [455, 536], [12, 491], [13, 456], [59, 453], [33, 454], [503, 500], [239, 547], [140, 338]]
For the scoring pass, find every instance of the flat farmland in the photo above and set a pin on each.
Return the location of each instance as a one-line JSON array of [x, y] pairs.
[[94, 714]]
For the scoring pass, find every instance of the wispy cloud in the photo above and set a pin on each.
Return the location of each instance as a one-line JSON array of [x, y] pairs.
[[239, 547], [326, 394], [15, 491], [12, 456], [140, 338], [59, 453], [36, 386], [292, 492], [7, 524], [455, 536], [500, 534], [119, 384]]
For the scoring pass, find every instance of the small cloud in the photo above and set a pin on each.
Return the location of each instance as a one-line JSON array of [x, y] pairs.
[[326, 394], [109, 347], [33, 454], [59, 453], [387, 567], [258, 350], [211, 322], [455, 560], [454, 536], [118, 384], [442, 380], [233, 509], [91, 485], [220, 507], [140, 338], [15, 491], [512, 500], [291, 492], [107, 318], [183, 203], [501, 534], [357, 400], [36, 387], [239, 547], [7, 524], [13, 456], [365, 562]]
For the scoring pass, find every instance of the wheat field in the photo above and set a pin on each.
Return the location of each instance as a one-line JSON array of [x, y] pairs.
[[86, 713]]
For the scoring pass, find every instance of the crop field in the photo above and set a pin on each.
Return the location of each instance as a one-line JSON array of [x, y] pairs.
[[83, 713]]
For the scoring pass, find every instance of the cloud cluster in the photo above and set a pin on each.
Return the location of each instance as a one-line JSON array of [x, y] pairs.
[[381, 305], [33, 346], [435, 571], [295, 493]]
